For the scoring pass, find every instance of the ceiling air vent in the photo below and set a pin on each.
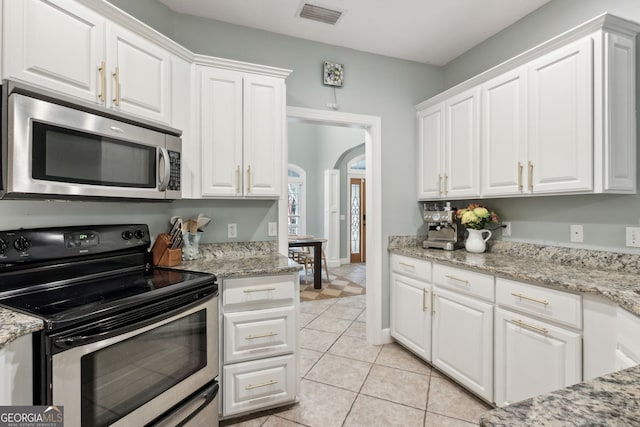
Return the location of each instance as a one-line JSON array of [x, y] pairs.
[[320, 14]]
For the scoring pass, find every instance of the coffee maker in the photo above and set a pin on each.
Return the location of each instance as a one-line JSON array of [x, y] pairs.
[[444, 228]]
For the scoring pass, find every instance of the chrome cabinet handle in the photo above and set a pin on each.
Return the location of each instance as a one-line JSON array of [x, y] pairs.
[[268, 383], [528, 326], [238, 179], [424, 300], [539, 301], [249, 179], [520, 167], [446, 179], [103, 83], [247, 291], [407, 265], [439, 185], [466, 282], [116, 90], [530, 166], [253, 337], [433, 304]]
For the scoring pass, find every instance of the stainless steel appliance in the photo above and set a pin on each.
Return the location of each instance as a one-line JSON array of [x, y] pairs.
[[125, 343], [444, 230], [55, 149]]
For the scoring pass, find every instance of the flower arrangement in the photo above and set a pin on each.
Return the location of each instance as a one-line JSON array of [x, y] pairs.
[[476, 216]]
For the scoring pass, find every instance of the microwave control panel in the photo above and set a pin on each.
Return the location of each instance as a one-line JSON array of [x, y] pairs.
[[174, 171]]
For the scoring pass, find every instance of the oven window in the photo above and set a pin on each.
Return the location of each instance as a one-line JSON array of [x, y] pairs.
[[120, 378], [66, 155]]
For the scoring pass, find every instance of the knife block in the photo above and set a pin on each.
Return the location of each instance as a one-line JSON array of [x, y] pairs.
[[162, 254]]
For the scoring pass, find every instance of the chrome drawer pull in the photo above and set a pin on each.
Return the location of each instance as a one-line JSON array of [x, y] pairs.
[[535, 328], [268, 383], [539, 301], [466, 282], [407, 265], [424, 300], [246, 291], [253, 337]]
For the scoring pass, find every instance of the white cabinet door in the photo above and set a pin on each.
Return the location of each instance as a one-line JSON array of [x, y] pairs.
[[561, 120], [57, 46], [504, 132], [430, 151], [462, 340], [462, 145], [139, 75], [264, 119], [533, 357], [411, 314], [220, 107]]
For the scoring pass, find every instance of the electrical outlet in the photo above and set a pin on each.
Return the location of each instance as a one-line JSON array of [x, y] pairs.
[[633, 237], [506, 229], [232, 231], [577, 233], [273, 229]]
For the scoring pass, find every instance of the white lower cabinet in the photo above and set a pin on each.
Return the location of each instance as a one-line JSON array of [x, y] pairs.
[[259, 384], [533, 357], [259, 348], [462, 342], [411, 314]]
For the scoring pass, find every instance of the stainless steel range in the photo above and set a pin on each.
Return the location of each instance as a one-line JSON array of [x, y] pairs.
[[124, 343]]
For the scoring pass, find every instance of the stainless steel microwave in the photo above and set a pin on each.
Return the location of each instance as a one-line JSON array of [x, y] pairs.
[[55, 149]]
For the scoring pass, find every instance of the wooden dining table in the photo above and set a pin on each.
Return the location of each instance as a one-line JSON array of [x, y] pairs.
[[316, 244]]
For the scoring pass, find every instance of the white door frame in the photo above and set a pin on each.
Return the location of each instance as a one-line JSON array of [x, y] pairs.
[[372, 126]]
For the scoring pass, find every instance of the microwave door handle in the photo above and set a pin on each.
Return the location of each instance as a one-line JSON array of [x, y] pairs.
[[164, 181]]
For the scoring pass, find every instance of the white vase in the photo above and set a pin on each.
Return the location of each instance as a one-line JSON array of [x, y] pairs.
[[476, 242]]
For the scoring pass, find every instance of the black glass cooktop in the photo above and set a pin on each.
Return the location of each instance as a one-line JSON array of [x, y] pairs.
[[97, 296]]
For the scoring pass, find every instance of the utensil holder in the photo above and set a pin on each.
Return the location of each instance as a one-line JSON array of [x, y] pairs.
[[190, 246], [162, 254]]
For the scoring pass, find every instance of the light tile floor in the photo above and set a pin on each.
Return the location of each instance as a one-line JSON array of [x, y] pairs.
[[347, 382]]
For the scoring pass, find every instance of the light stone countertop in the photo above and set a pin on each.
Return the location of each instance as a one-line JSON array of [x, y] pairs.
[[612, 399], [14, 325]]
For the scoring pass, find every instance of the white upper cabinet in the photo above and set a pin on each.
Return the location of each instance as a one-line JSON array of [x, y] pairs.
[[242, 120], [449, 144], [71, 49], [58, 46], [140, 74], [504, 142], [561, 120], [430, 151]]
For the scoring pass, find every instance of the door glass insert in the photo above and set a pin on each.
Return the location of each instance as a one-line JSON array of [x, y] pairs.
[[355, 217]]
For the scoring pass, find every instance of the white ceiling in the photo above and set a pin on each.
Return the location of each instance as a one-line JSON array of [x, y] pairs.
[[428, 31]]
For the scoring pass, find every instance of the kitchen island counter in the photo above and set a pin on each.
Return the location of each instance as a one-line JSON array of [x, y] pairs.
[[612, 399]]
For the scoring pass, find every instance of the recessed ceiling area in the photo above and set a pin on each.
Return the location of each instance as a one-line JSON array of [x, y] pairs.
[[427, 31]]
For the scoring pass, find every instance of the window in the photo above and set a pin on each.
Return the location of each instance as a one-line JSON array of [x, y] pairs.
[[296, 184]]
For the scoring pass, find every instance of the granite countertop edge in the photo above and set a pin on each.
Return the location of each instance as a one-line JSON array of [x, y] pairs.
[[620, 287]]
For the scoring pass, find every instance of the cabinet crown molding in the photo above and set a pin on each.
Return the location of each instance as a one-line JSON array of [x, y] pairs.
[[606, 22], [230, 64]]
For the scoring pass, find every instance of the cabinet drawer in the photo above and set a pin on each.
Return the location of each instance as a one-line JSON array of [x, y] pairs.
[[465, 281], [258, 292], [559, 306], [418, 268], [259, 333], [258, 384]]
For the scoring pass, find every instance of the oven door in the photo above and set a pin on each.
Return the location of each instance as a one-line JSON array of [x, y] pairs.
[[132, 378], [58, 150]]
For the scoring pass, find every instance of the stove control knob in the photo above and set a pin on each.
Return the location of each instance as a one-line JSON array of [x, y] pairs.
[[138, 234], [22, 243], [3, 246], [127, 235]]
